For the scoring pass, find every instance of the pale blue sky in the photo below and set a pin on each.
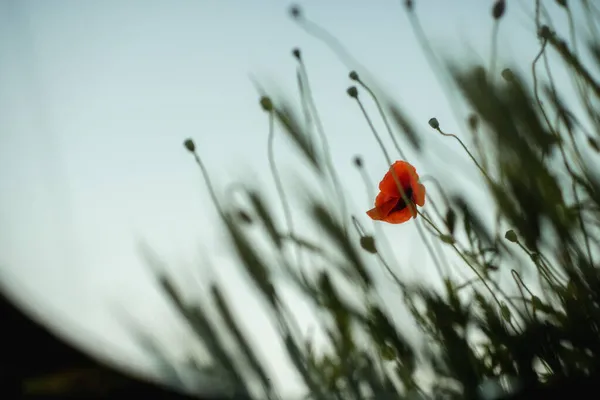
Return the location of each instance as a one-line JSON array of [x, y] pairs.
[[97, 97]]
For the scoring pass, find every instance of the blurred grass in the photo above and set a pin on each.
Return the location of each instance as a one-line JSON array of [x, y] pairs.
[[537, 155], [500, 329]]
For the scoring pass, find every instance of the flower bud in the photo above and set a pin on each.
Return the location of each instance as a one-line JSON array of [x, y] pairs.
[[352, 91], [368, 244], [508, 75], [433, 122], [358, 161], [544, 32], [189, 144], [266, 103], [296, 11], [473, 122], [498, 9], [353, 75], [296, 53], [511, 236]]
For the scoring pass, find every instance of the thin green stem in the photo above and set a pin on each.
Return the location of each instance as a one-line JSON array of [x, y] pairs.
[[483, 171], [494, 51], [520, 286], [383, 117], [208, 183], [279, 186], [326, 150], [582, 226], [468, 262]]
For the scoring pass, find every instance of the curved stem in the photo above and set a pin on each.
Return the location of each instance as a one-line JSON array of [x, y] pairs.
[[326, 150], [209, 185], [485, 174], [383, 117]]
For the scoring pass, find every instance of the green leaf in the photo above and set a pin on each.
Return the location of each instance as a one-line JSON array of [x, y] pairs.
[[505, 312], [447, 239]]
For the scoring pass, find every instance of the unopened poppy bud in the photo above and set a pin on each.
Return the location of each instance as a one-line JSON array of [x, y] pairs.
[[368, 244], [433, 122], [399, 204], [409, 5], [511, 236], [508, 75], [266, 103], [498, 9], [296, 53], [353, 75], [544, 32], [473, 122], [189, 144], [352, 91], [295, 11], [358, 161], [562, 3]]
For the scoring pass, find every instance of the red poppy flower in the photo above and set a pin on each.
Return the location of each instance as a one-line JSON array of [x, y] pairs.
[[389, 204]]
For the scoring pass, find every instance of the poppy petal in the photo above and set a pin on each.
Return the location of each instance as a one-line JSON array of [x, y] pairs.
[[399, 217], [390, 205], [406, 174], [375, 214], [382, 208], [418, 194], [383, 198]]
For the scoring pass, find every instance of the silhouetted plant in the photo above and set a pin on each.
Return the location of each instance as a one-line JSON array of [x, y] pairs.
[[511, 325]]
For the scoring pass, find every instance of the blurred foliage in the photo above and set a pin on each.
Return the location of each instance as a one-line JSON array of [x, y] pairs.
[[529, 313]]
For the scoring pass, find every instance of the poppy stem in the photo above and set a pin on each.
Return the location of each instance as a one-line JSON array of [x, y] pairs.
[[582, 226], [383, 117], [400, 284], [358, 226], [520, 286], [466, 260], [321, 131], [438, 69], [377, 137], [208, 183], [466, 284], [279, 186], [543, 267], [483, 171], [385, 153], [494, 51], [330, 41]]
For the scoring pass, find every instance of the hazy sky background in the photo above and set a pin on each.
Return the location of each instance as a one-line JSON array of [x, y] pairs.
[[97, 97]]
